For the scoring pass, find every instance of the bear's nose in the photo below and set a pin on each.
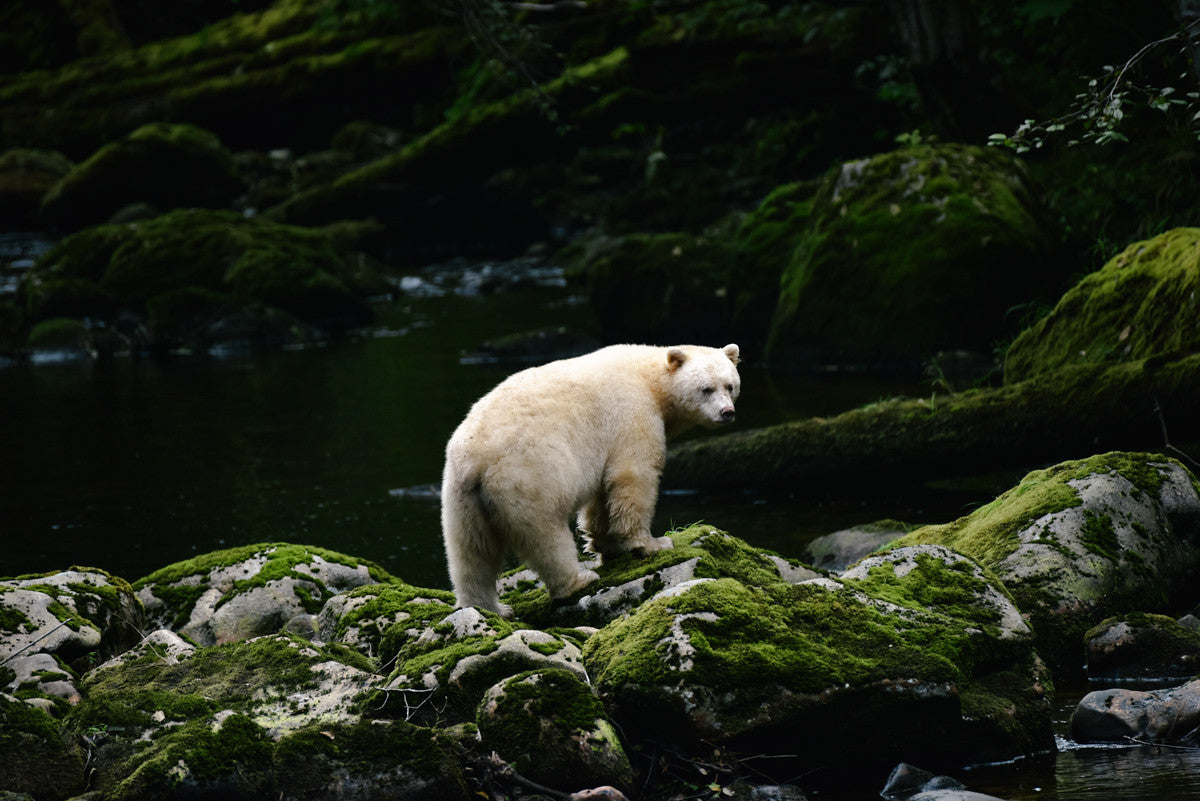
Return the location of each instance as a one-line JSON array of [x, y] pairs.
[[727, 414]]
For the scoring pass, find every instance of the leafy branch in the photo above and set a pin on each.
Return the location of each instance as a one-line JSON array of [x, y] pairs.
[[1100, 110]]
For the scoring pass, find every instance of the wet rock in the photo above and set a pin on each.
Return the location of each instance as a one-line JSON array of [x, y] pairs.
[[1083, 540], [58, 340], [1142, 646], [554, 731], [166, 165], [249, 591], [1150, 716], [839, 550], [869, 658], [908, 780]]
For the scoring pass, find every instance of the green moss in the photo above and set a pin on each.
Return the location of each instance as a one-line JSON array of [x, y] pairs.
[[298, 270], [236, 753], [989, 534], [1142, 303], [802, 637], [884, 248], [1098, 536]]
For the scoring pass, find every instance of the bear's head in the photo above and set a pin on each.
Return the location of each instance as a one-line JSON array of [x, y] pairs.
[[705, 384]]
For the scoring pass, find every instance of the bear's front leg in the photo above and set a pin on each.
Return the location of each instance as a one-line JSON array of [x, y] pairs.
[[632, 495]]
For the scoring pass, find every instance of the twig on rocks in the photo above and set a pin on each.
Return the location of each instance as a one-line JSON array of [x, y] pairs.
[[1162, 421]]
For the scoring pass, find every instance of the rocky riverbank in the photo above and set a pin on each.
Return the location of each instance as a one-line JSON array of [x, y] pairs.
[[282, 670]]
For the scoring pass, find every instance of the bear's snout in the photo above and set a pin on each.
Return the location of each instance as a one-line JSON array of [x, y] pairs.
[[727, 414]]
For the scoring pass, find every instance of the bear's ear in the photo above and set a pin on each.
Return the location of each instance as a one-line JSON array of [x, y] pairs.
[[675, 359], [732, 352]]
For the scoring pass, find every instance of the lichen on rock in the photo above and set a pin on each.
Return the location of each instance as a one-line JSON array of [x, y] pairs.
[[897, 643], [248, 591], [1083, 540]]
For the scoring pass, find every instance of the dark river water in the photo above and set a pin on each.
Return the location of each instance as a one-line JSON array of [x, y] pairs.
[[130, 465]]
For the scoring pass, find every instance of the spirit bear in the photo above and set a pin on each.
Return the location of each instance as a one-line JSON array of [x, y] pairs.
[[582, 436]]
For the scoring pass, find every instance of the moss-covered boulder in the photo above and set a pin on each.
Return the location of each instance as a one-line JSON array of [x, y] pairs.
[[60, 339], [37, 756], [1142, 646], [699, 552], [1142, 303], [443, 671], [911, 655], [26, 175], [1084, 540], [165, 165], [235, 718], [184, 268], [54, 626], [249, 591], [911, 252], [550, 726]]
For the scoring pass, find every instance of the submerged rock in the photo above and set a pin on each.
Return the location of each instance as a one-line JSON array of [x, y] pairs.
[[1083, 540]]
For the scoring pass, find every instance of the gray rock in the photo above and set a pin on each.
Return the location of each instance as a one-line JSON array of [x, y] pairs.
[[1151, 716], [1142, 646], [249, 592]]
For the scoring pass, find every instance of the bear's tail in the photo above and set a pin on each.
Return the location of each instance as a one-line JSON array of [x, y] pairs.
[[474, 548]]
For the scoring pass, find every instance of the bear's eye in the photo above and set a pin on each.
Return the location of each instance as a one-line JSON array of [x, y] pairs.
[[729, 387], [708, 390]]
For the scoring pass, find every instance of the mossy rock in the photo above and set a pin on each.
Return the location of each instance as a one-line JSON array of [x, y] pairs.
[[297, 270], [1142, 303], [443, 669], [248, 591], [883, 657], [379, 619], [36, 756], [282, 683], [80, 616], [1084, 540], [26, 175], [700, 552], [166, 165], [553, 730], [1141, 646], [658, 287], [60, 335], [392, 759], [911, 252]]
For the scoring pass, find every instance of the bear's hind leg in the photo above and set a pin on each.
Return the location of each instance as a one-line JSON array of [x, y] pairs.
[[474, 552]]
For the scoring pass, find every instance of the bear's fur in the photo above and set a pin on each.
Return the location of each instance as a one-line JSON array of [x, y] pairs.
[[582, 436]]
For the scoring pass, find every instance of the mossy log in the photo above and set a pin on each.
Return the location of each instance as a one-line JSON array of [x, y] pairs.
[[1071, 412]]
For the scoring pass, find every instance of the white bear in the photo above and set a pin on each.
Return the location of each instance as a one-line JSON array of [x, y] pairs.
[[582, 436]]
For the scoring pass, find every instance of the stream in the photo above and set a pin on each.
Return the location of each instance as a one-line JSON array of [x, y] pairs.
[[132, 464]]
